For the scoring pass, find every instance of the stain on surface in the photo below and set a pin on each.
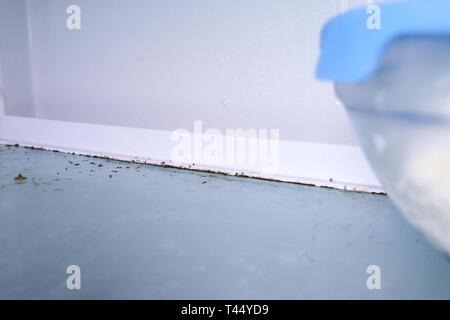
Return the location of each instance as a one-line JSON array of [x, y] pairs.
[[20, 177]]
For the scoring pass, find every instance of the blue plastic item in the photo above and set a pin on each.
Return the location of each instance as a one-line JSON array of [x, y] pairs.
[[350, 50]]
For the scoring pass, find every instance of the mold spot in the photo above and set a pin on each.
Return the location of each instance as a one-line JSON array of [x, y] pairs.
[[20, 177]]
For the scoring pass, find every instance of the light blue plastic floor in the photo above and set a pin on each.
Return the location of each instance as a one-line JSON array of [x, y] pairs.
[[139, 231]]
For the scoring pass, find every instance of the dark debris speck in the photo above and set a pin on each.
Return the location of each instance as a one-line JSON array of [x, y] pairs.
[[20, 177]]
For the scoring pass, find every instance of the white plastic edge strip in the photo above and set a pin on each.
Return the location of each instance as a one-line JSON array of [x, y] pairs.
[[335, 166]]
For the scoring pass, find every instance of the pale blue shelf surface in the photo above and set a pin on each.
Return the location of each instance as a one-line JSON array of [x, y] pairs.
[[149, 232]]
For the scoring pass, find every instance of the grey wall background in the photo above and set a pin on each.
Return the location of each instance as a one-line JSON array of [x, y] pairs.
[[164, 63]]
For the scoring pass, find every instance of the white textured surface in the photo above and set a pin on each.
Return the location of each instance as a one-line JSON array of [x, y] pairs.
[[422, 191]]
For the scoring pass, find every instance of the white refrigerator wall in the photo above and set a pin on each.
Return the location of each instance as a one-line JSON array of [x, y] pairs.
[[162, 64], [15, 64]]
